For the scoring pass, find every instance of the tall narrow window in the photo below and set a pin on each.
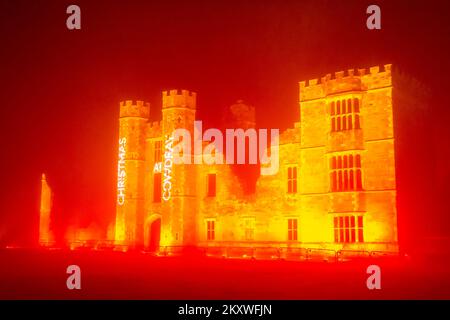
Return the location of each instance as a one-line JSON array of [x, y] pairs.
[[292, 179], [360, 229], [340, 180], [158, 157], [357, 124], [211, 185], [157, 187], [348, 229], [336, 229], [210, 230], [356, 105], [358, 180], [351, 180], [292, 229]]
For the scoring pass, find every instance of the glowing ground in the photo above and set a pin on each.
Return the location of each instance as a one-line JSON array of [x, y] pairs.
[[40, 274]]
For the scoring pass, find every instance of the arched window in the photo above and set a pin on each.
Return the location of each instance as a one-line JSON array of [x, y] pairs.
[[358, 180], [345, 162], [358, 161], [349, 120], [339, 162], [344, 107], [333, 163], [356, 105], [349, 105], [350, 161], [333, 124], [351, 181], [357, 125], [338, 123], [340, 181], [344, 123], [338, 109], [345, 180], [333, 111]]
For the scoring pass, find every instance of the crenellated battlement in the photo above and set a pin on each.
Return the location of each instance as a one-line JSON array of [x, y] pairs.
[[155, 124], [343, 81], [154, 129], [130, 108], [179, 98]]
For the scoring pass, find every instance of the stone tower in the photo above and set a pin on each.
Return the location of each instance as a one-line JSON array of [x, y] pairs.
[[45, 234], [178, 223], [131, 169], [348, 160]]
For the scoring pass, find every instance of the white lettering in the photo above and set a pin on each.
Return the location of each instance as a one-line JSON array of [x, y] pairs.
[[168, 163], [74, 20], [121, 173], [213, 152]]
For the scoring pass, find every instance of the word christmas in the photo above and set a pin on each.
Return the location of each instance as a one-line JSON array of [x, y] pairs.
[[121, 172]]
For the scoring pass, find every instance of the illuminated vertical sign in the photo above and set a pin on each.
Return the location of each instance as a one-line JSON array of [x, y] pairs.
[[157, 167], [168, 162], [121, 172]]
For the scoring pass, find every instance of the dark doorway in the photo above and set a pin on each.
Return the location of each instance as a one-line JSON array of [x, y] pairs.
[[155, 233]]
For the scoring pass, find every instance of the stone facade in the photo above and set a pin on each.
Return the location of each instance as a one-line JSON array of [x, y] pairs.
[[335, 188]]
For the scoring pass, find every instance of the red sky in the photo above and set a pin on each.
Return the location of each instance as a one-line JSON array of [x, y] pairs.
[[61, 89]]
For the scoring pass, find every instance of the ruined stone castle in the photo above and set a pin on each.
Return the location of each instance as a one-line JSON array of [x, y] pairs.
[[335, 188]]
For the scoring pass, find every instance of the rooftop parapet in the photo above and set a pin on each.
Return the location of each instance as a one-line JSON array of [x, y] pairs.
[[130, 108], [154, 129], [176, 98], [344, 81]]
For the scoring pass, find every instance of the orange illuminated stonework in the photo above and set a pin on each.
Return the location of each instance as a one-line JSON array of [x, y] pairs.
[[45, 234], [335, 188]]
